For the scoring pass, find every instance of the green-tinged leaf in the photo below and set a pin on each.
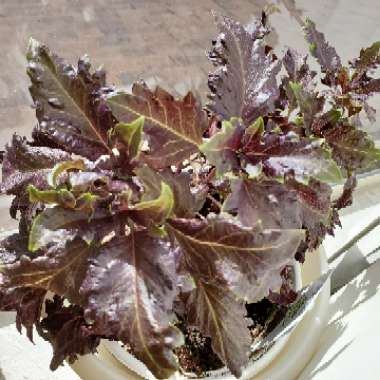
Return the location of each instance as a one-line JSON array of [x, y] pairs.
[[131, 134], [187, 200], [309, 102], [174, 128], [221, 148], [352, 148], [45, 196], [252, 136], [249, 260], [244, 82], [320, 49], [62, 197], [68, 106], [62, 167], [86, 202], [25, 164], [257, 128], [214, 310], [157, 210]]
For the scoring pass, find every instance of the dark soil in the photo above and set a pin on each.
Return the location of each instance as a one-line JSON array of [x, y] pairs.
[[196, 355]]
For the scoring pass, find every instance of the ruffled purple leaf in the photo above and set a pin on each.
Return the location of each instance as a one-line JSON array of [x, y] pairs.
[[173, 127], [67, 331], [214, 310], [369, 59], [281, 154], [239, 257], [244, 83], [68, 103], [321, 50], [129, 289], [267, 202], [352, 148]]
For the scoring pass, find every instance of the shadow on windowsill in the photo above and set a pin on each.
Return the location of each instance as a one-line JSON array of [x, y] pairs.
[[355, 294]]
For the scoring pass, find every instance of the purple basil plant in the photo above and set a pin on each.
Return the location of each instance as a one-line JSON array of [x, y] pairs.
[[141, 211]]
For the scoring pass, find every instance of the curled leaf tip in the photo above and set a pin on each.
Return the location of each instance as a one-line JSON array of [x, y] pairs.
[[131, 134], [62, 167], [159, 209]]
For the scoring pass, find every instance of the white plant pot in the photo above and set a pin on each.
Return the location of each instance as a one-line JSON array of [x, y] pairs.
[[284, 361]]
